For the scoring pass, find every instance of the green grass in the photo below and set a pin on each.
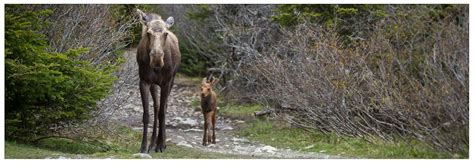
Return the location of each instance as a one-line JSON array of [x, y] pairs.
[[244, 112], [233, 111], [14, 150], [281, 136], [121, 146]]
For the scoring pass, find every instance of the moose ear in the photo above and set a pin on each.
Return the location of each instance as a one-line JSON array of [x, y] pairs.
[[204, 81], [169, 22], [143, 17]]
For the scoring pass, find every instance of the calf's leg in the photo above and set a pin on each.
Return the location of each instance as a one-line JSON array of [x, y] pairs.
[[214, 127], [204, 137], [209, 127]]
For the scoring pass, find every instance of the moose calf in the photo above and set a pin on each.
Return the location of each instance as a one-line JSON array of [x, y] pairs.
[[209, 109]]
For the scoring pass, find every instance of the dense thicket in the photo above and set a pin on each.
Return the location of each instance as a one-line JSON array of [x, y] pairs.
[[56, 71], [361, 70]]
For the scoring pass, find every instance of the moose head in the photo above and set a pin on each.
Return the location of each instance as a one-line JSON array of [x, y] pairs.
[[206, 85], [156, 30]]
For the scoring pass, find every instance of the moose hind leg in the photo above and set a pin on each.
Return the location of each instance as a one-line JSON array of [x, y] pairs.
[[214, 127], [144, 93]]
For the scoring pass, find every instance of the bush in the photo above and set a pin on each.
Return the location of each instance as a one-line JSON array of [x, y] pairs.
[[45, 89], [370, 71], [409, 78]]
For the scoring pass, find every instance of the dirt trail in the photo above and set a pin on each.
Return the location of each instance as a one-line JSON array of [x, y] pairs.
[[184, 123]]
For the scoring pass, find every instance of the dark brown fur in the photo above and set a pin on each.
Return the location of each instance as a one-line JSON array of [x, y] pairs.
[[157, 67]]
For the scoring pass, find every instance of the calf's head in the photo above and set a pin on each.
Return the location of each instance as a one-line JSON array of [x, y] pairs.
[[156, 31], [206, 86]]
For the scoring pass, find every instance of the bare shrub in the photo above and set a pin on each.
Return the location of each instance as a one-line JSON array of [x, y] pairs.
[[387, 85], [89, 26], [225, 35], [406, 77]]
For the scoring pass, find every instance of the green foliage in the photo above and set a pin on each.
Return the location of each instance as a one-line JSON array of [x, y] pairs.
[[192, 62], [347, 11], [348, 20], [45, 88], [294, 14], [414, 30], [202, 12]]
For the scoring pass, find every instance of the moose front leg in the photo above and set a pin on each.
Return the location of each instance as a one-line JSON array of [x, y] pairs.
[[161, 143], [154, 96], [144, 93]]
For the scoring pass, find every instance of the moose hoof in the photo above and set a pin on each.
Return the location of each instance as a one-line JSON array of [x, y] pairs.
[[160, 148], [143, 149], [150, 148]]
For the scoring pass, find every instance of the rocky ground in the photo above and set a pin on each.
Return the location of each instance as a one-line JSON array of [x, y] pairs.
[[184, 123]]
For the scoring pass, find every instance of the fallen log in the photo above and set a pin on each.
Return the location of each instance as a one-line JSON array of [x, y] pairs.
[[263, 112]]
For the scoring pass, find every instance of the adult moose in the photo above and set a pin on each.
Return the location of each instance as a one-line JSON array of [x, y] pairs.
[[158, 58]]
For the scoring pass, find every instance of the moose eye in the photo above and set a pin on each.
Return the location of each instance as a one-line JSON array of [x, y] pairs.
[[157, 29]]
